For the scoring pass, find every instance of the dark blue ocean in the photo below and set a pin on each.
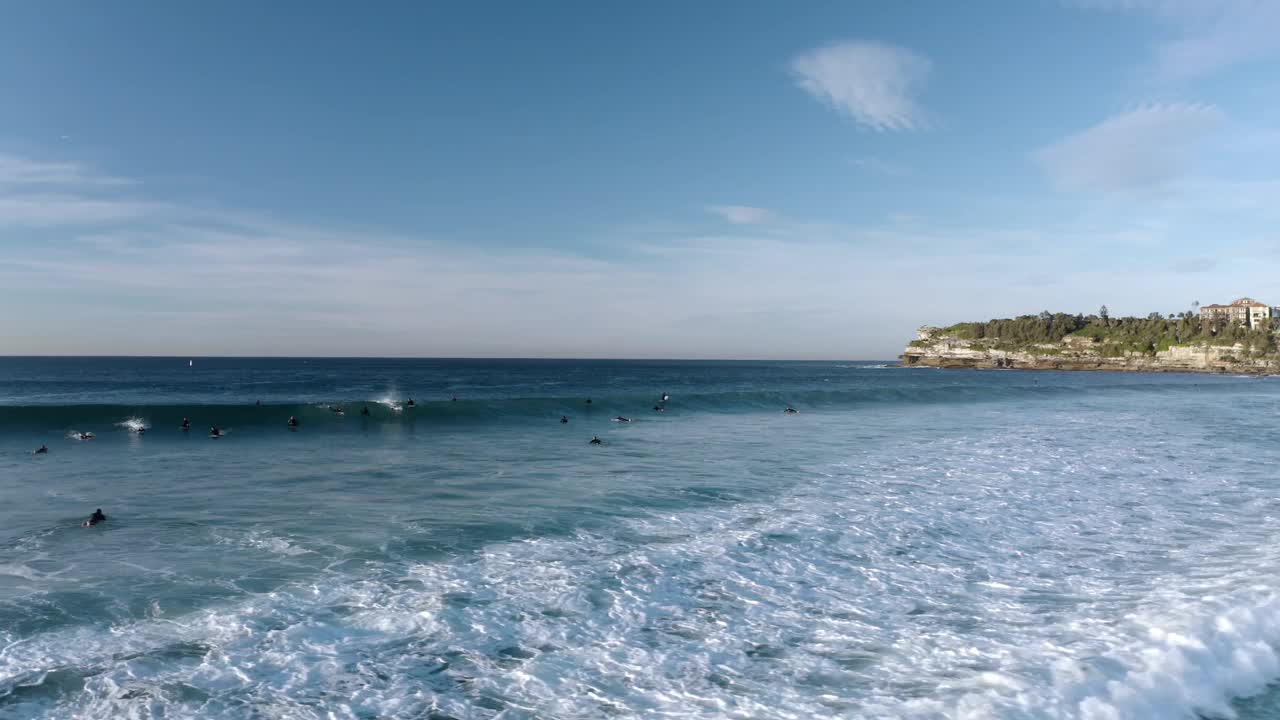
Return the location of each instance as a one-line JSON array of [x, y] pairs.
[[912, 544]]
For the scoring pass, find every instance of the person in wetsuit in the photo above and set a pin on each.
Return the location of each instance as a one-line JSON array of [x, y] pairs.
[[410, 403], [95, 518], [215, 432], [595, 440], [186, 424], [293, 421], [564, 419], [365, 411], [40, 450]]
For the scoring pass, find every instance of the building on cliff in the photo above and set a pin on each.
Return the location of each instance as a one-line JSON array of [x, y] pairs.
[[1246, 311]]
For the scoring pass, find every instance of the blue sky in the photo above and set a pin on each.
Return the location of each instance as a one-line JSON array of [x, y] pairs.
[[587, 179]]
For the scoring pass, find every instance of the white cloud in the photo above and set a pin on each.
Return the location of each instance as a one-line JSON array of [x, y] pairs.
[[872, 83], [52, 210], [1134, 151], [173, 279], [741, 214], [1211, 35], [43, 194], [15, 170], [181, 280]]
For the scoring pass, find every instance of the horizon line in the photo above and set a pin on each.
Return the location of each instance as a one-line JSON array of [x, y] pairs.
[[434, 357]]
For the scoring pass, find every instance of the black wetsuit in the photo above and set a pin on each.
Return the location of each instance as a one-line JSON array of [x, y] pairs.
[[95, 518]]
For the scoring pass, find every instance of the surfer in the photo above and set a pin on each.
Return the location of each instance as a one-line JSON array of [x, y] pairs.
[[791, 411], [86, 436], [410, 403], [622, 419], [214, 432], [564, 419], [43, 449], [659, 408], [337, 409], [665, 397], [595, 440], [365, 411], [588, 401], [186, 424], [95, 518], [293, 421]]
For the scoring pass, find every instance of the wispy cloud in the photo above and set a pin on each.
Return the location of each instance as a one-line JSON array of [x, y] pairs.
[[52, 210], [741, 214], [16, 170], [178, 279], [873, 83], [1134, 151], [1211, 35], [44, 194]]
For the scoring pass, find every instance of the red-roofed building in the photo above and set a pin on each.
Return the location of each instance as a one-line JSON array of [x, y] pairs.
[[1246, 311]]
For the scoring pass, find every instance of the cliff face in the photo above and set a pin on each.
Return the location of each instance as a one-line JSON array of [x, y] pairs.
[[936, 348]]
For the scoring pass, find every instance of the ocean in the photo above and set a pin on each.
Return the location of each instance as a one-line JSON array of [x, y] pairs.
[[912, 544]]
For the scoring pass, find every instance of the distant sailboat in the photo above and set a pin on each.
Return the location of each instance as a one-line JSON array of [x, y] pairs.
[[191, 363]]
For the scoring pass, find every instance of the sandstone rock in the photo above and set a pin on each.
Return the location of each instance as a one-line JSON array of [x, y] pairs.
[[934, 348]]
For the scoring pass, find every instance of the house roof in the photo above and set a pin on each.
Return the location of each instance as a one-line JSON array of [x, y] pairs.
[[1242, 302]]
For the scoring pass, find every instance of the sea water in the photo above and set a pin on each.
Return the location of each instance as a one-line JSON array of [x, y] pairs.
[[912, 544]]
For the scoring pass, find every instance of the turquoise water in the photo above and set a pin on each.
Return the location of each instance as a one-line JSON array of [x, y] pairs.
[[914, 543]]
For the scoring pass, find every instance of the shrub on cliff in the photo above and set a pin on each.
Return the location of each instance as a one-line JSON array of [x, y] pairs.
[[1117, 336]]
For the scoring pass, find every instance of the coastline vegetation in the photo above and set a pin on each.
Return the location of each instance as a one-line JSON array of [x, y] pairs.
[[1114, 337]]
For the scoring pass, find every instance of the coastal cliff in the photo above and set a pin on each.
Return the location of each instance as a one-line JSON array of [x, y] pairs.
[[949, 348]]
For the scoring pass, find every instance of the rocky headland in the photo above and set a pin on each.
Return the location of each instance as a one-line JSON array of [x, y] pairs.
[[1141, 345]]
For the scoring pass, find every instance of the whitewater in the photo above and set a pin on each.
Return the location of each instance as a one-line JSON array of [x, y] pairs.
[[913, 544]]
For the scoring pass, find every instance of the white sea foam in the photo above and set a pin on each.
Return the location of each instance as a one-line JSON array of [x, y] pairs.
[[259, 539], [1067, 573], [792, 609], [133, 424], [20, 570]]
